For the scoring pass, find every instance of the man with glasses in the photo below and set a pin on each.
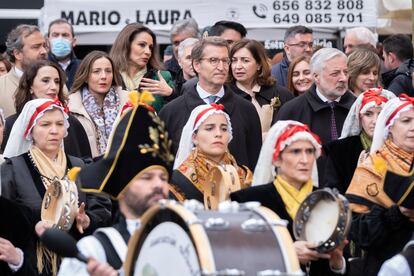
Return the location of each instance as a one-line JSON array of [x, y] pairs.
[[298, 41], [210, 60]]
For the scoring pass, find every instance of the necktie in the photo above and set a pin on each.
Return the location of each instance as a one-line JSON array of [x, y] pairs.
[[334, 131], [212, 99]]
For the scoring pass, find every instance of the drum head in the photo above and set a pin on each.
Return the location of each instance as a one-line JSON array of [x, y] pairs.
[[322, 222], [167, 246], [168, 241]]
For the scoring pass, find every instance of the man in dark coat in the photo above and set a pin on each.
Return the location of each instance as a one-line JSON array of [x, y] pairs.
[[210, 58], [180, 31], [328, 98], [396, 49], [298, 41], [62, 41]]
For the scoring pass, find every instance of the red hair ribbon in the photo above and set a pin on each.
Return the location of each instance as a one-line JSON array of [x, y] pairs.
[[213, 106], [406, 101], [42, 108], [289, 132], [373, 95]]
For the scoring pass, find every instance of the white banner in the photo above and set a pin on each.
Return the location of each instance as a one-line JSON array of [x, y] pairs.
[[111, 15]]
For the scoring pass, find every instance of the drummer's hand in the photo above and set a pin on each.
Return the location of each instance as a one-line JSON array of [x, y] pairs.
[[409, 213], [41, 226], [336, 256], [100, 269], [306, 253], [82, 219]]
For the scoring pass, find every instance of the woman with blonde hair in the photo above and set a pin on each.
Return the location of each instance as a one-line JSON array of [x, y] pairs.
[[363, 70]]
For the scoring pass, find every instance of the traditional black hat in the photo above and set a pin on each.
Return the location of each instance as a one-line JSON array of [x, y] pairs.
[[139, 142]]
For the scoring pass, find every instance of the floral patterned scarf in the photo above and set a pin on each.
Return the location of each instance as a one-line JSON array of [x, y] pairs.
[[103, 116]]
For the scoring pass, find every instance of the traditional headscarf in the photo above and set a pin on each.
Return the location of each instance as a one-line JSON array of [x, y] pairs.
[[390, 112], [20, 139], [374, 97], [197, 118], [281, 135]]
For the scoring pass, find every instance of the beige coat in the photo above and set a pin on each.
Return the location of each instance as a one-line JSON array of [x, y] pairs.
[[78, 110], [8, 86]]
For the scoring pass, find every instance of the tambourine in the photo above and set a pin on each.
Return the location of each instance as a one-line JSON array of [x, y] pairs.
[[60, 204], [324, 219], [221, 181]]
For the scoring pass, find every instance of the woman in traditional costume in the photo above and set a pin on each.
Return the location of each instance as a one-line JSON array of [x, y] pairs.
[[379, 191], [343, 154], [204, 145], [289, 152]]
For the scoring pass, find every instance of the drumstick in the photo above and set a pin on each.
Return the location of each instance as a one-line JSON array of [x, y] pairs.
[[62, 244]]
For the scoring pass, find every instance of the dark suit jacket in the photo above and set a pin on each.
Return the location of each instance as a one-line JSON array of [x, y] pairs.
[[311, 110], [266, 94], [268, 196], [247, 136], [342, 158]]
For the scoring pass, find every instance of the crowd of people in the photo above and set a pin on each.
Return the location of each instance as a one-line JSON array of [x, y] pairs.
[[142, 130]]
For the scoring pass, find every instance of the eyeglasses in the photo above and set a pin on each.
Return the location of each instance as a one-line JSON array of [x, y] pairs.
[[215, 61], [302, 44]]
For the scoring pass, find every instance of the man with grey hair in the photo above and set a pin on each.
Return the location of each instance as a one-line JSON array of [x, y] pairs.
[[326, 104], [25, 44], [359, 36], [328, 101], [184, 60], [298, 41], [210, 60], [180, 31]]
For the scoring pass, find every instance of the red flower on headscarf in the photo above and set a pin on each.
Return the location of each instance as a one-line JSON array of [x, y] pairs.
[[42, 108], [373, 95], [407, 100], [289, 132], [213, 106]]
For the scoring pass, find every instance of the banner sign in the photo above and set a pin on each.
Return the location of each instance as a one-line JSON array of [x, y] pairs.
[[110, 15]]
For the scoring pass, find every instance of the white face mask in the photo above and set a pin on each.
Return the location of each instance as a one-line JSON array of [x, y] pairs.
[[61, 47]]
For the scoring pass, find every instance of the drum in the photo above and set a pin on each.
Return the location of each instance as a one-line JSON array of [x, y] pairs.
[[177, 239], [221, 181], [323, 219], [60, 204]]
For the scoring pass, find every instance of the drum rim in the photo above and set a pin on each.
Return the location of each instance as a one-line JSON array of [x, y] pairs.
[[283, 236], [196, 233], [343, 209]]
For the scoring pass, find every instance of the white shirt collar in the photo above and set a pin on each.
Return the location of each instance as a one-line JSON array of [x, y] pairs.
[[64, 65], [132, 225], [19, 73], [323, 98], [204, 94]]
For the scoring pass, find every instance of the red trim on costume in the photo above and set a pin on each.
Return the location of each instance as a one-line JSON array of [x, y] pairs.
[[213, 106], [405, 98], [373, 95], [289, 132], [42, 108]]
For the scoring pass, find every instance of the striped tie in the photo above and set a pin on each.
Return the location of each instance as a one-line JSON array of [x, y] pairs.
[[334, 130]]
